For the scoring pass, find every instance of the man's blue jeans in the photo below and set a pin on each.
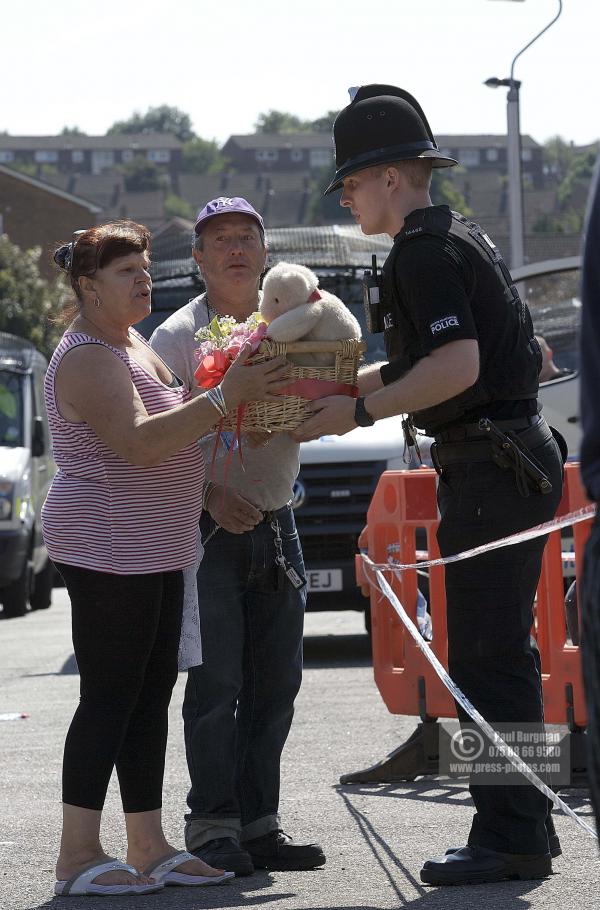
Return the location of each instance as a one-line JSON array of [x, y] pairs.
[[239, 704]]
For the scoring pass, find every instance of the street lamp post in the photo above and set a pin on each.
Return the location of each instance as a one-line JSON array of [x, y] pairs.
[[513, 147]]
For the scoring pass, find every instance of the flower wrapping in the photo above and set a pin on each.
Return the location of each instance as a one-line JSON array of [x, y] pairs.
[[220, 343]]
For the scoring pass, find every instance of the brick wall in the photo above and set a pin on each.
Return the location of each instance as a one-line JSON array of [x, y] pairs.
[[34, 216]]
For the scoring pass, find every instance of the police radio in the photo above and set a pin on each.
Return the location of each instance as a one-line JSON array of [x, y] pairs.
[[372, 298]]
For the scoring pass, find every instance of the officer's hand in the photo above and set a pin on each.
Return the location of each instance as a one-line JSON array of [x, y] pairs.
[[332, 416], [231, 511]]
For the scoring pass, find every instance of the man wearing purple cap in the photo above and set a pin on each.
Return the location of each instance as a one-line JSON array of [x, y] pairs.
[[238, 705]]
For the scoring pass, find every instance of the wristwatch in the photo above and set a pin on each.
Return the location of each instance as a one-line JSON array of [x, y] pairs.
[[361, 415]]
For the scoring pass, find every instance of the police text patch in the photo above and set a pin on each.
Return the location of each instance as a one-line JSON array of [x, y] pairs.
[[446, 322]]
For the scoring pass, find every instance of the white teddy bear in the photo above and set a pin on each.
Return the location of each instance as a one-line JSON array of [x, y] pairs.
[[295, 309]]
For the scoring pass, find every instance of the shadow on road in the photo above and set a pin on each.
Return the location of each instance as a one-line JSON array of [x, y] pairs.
[[508, 895], [69, 668], [237, 893], [440, 790], [322, 651]]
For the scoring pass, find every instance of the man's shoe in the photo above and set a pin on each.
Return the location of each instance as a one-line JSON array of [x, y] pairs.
[[475, 865], [225, 853], [278, 852], [553, 841]]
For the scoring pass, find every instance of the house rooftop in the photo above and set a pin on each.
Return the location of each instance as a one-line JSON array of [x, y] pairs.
[[481, 141], [110, 141], [283, 140], [49, 188], [324, 140]]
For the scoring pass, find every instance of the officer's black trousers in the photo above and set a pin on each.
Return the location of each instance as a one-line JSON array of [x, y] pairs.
[[590, 646], [489, 603]]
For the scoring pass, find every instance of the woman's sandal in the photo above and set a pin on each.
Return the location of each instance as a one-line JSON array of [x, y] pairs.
[[164, 871], [83, 881]]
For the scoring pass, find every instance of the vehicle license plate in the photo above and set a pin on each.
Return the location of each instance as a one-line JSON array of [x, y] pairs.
[[324, 580]]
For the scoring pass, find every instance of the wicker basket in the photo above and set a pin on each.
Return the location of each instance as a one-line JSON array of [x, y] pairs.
[[290, 412]]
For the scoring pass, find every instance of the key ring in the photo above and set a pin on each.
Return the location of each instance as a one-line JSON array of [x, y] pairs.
[[279, 557]]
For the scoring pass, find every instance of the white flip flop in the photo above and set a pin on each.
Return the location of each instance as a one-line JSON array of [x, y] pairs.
[[163, 871], [83, 881]]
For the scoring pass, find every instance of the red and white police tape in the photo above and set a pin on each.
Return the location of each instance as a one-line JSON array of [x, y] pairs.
[[382, 584]]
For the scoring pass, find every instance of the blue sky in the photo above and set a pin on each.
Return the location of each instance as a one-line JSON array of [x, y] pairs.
[[89, 64]]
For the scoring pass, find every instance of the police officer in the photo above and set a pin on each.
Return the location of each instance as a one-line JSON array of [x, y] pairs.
[[463, 363]]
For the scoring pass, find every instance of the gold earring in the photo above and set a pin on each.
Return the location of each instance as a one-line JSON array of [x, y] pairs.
[[97, 302]]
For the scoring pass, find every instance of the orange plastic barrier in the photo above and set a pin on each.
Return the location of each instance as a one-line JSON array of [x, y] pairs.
[[405, 501]]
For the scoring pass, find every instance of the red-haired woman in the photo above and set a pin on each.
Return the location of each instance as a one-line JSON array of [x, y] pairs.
[[120, 522]]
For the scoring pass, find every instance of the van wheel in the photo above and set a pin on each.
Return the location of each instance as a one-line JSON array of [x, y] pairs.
[[16, 595], [41, 596]]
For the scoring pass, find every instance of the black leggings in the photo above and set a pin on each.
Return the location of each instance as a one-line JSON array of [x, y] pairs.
[[126, 632]]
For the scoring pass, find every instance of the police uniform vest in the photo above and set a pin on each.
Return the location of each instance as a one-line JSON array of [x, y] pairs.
[[514, 375]]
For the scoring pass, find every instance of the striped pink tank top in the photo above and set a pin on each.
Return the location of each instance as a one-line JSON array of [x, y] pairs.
[[106, 514]]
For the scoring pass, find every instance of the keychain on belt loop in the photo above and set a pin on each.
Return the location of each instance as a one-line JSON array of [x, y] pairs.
[[282, 563]]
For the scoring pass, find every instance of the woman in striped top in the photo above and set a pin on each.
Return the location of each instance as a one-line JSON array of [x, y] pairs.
[[120, 523]]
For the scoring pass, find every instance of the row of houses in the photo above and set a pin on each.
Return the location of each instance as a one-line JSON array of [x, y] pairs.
[[36, 213], [256, 153], [74, 154]]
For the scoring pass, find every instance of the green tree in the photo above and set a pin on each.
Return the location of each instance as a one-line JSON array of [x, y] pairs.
[[176, 206], [280, 122], [28, 303], [578, 175], [445, 192], [564, 223], [558, 155], [72, 131], [571, 170], [161, 119], [202, 156], [142, 175], [324, 124], [283, 122]]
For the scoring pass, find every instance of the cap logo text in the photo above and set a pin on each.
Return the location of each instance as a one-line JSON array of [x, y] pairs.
[[224, 201]]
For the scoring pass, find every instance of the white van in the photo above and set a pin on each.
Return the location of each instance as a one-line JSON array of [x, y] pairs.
[[553, 296], [26, 471]]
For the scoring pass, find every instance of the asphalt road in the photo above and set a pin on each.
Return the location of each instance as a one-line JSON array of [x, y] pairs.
[[375, 837]]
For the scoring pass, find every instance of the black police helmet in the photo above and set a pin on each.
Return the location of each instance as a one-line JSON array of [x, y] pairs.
[[381, 124]]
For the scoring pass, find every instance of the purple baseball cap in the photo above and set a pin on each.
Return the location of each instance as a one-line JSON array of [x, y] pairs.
[[224, 205]]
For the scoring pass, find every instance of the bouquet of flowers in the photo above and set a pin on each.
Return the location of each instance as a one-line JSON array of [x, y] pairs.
[[220, 342]]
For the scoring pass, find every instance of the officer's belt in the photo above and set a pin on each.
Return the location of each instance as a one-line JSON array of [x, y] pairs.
[[473, 430], [475, 445]]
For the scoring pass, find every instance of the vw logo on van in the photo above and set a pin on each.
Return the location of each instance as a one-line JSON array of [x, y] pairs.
[[299, 495]]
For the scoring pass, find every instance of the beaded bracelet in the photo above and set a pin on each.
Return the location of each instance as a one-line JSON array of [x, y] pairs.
[[215, 396], [218, 390]]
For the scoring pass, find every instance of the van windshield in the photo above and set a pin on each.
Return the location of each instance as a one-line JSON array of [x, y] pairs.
[[11, 409]]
